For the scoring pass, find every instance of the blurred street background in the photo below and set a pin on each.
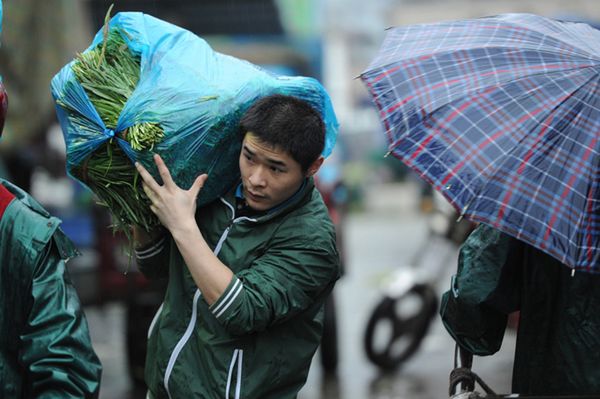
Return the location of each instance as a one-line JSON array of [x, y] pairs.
[[384, 213]]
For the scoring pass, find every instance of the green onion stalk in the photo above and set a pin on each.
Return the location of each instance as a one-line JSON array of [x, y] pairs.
[[109, 75]]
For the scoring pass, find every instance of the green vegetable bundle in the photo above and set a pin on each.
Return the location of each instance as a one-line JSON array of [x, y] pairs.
[[146, 86], [109, 75]]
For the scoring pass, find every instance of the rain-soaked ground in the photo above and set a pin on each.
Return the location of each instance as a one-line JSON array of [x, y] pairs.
[[380, 240]]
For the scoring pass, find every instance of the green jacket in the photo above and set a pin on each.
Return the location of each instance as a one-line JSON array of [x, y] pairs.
[[558, 340], [258, 339], [45, 348]]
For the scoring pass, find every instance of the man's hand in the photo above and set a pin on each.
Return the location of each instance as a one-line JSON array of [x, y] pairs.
[[176, 209], [174, 206]]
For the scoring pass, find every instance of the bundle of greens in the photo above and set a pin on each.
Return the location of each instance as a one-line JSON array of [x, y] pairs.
[[109, 75], [160, 88]]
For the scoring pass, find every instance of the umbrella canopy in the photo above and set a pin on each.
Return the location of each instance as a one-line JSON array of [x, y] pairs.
[[502, 116]]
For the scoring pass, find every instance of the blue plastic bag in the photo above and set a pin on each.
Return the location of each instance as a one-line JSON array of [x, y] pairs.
[[197, 96]]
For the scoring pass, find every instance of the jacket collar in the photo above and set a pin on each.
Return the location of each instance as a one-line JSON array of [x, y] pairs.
[[289, 204]]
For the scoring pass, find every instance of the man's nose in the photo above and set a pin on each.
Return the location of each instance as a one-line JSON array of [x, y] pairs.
[[257, 178]]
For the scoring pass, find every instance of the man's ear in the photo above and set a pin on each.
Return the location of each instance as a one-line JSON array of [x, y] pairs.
[[315, 166]]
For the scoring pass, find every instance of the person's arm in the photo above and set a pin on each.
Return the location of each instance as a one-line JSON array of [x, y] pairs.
[[294, 274], [56, 350], [152, 251], [210, 274], [483, 291], [176, 209]]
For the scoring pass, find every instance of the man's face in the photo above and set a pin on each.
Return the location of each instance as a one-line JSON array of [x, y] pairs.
[[269, 175]]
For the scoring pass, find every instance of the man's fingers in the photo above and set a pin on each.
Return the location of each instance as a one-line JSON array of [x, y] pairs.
[[148, 191], [147, 177], [198, 184], [163, 170]]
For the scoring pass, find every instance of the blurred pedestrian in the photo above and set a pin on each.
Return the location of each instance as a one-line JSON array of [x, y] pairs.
[[558, 339], [45, 347], [249, 272]]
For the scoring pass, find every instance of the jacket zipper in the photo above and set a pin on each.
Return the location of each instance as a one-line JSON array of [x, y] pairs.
[[190, 328], [155, 319], [181, 343], [238, 355]]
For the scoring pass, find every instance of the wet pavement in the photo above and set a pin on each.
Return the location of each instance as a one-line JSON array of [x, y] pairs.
[[382, 239]]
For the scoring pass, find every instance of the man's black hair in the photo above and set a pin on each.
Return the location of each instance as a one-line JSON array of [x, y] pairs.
[[287, 123]]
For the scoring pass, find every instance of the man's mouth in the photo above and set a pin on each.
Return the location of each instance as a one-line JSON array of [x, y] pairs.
[[255, 196]]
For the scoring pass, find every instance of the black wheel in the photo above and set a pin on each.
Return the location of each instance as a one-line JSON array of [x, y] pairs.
[[329, 341], [397, 326]]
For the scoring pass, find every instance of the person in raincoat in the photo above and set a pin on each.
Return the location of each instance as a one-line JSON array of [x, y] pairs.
[[558, 339], [45, 347], [248, 273]]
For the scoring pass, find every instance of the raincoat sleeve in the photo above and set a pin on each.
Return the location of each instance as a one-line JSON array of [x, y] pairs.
[[153, 258], [293, 275], [56, 350], [483, 292]]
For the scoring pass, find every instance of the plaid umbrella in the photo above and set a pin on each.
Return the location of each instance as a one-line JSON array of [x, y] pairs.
[[502, 116]]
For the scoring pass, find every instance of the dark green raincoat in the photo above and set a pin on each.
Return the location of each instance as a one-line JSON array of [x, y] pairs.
[[45, 348], [558, 340], [258, 339]]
